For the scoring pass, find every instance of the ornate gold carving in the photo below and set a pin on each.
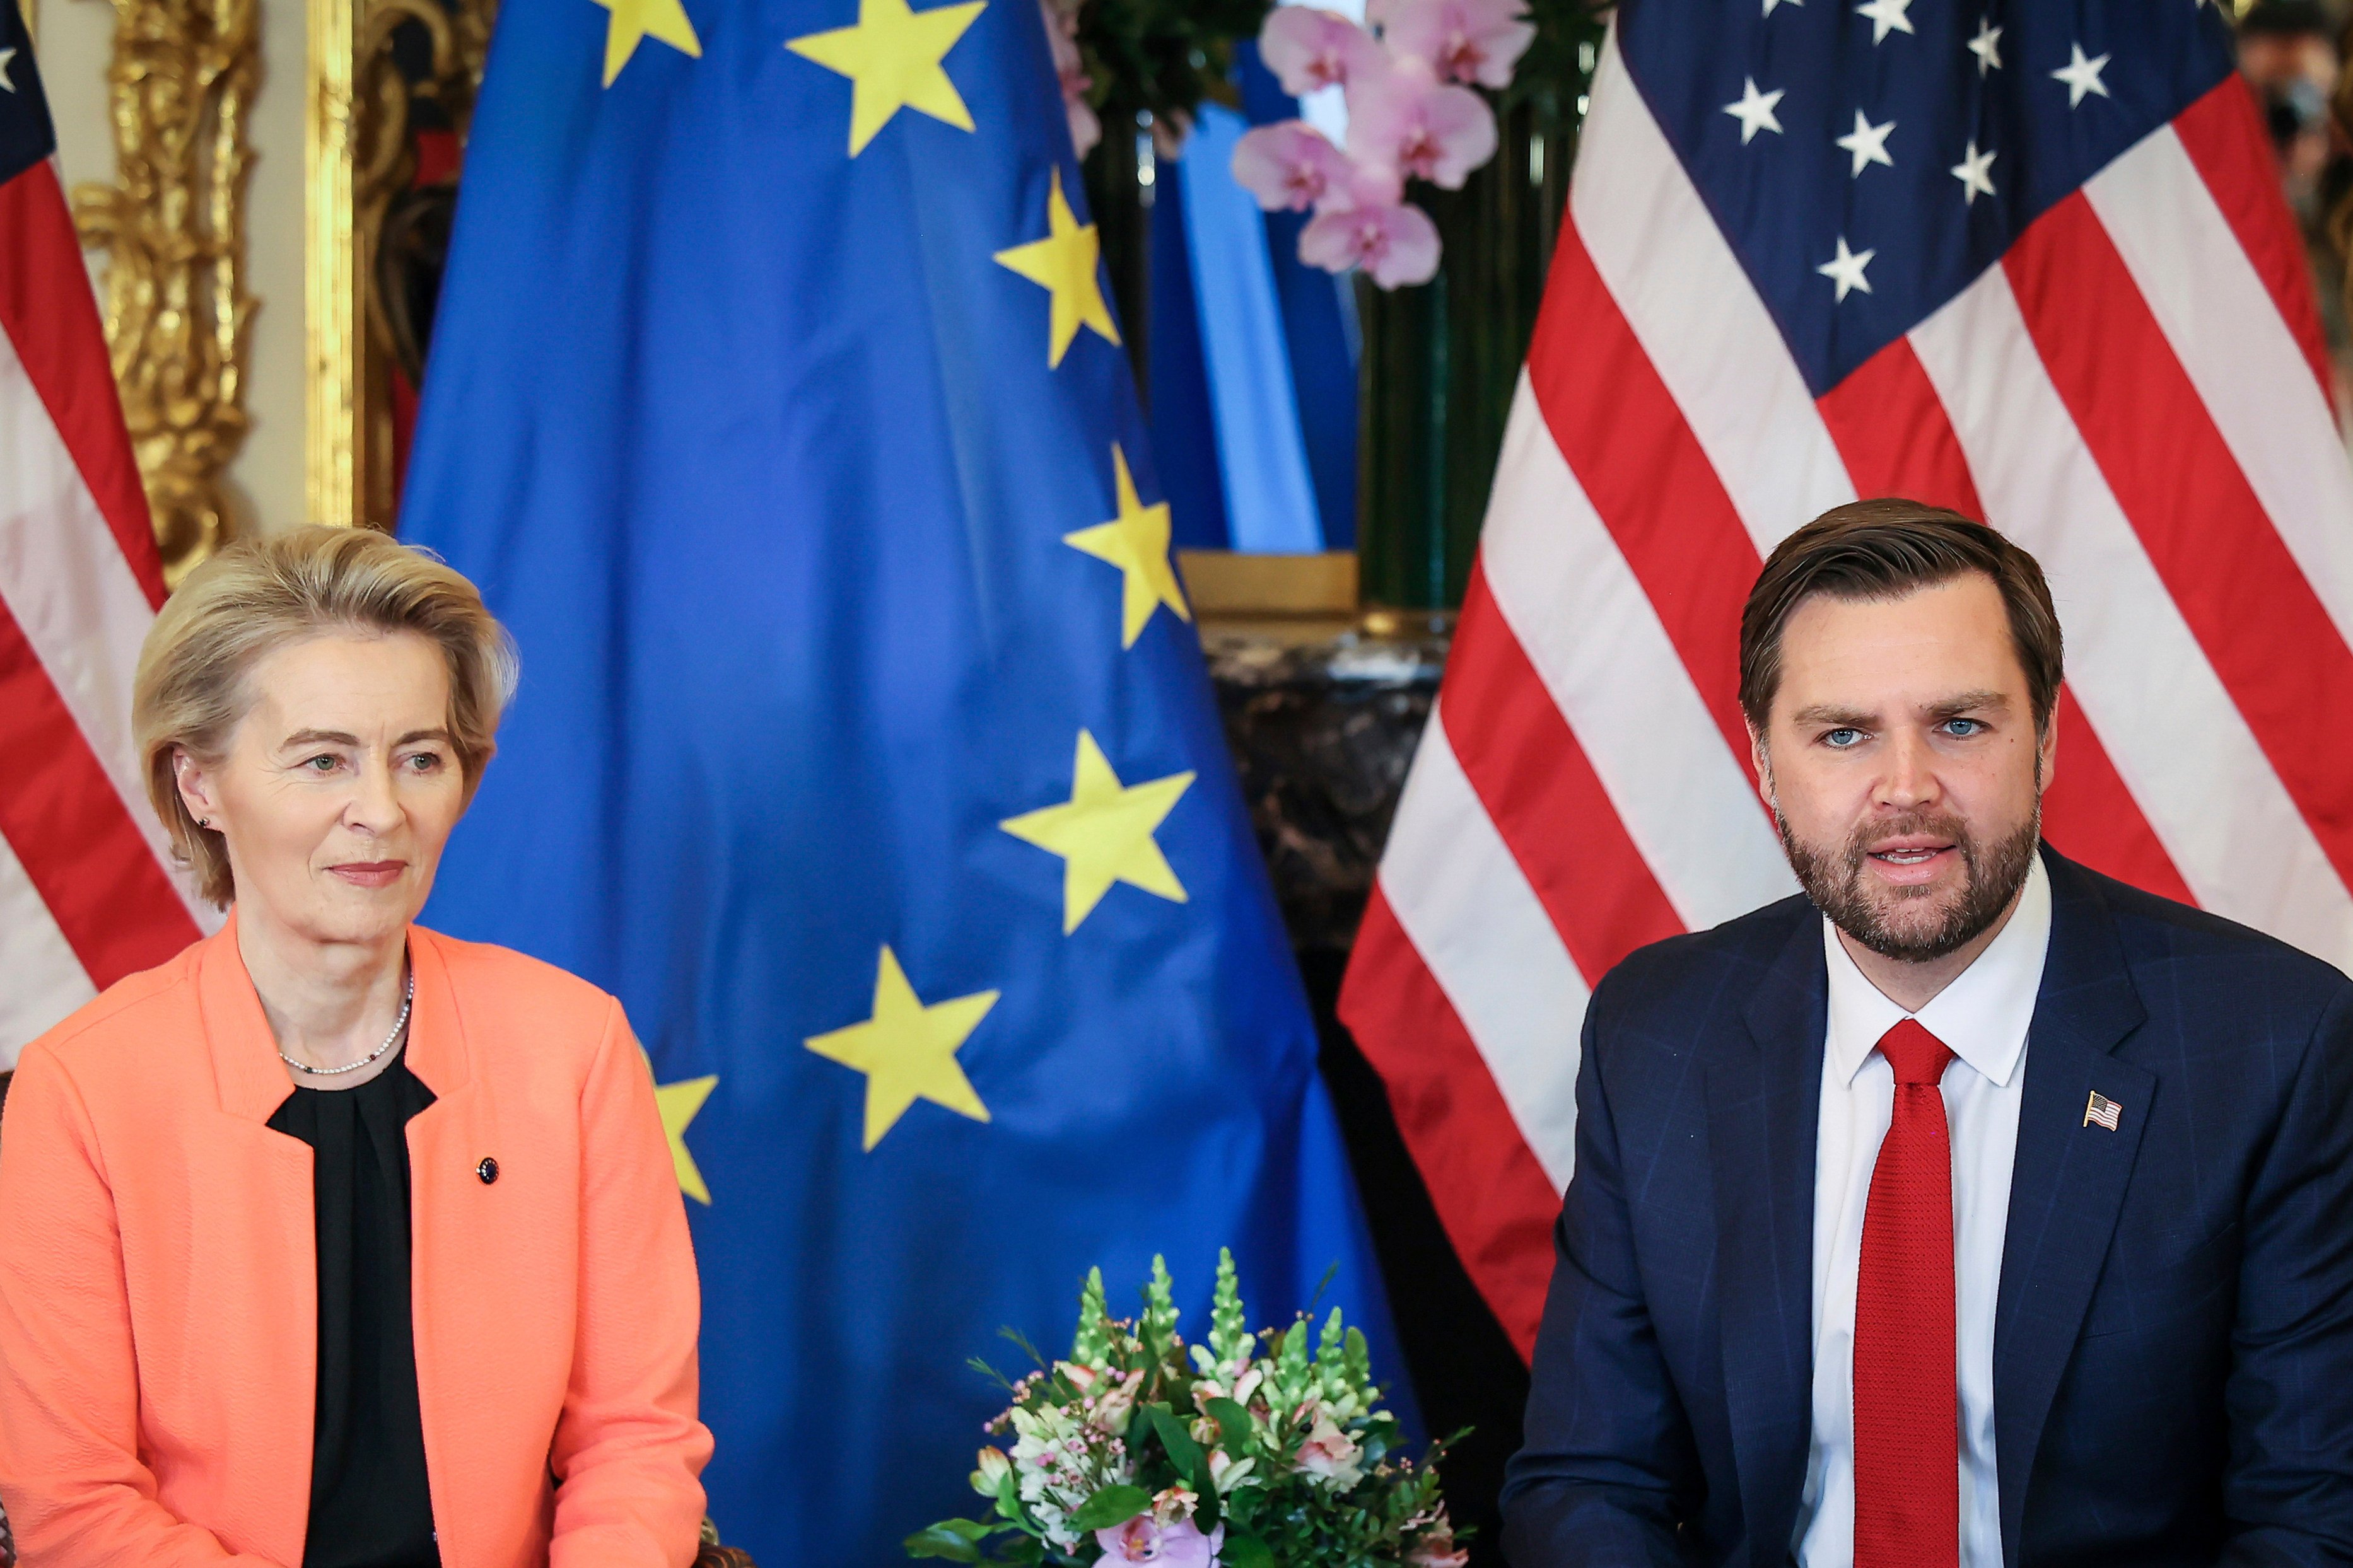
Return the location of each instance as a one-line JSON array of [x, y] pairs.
[[361, 154], [173, 226], [331, 297]]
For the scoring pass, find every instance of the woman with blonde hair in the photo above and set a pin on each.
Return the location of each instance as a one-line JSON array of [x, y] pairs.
[[335, 1241]]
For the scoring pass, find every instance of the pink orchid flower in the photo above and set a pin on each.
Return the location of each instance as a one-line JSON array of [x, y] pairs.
[[1289, 164], [1177, 1546], [1408, 120], [1463, 40], [1365, 185], [1308, 48], [1395, 243]]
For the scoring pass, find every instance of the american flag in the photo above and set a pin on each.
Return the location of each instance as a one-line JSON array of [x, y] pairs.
[[2025, 259], [84, 895]]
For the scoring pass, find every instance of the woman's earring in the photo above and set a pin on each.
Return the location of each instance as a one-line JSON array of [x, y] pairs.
[[204, 822]]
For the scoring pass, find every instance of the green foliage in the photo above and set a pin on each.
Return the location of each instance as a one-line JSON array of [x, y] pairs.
[[1093, 1341], [1162, 56], [1556, 72], [1245, 1551], [1111, 1506], [1230, 1340], [958, 1539], [1159, 1324]]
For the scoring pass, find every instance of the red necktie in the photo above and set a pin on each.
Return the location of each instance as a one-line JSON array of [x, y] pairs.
[[1907, 1490]]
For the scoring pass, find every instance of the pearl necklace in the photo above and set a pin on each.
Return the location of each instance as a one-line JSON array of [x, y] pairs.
[[398, 1025]]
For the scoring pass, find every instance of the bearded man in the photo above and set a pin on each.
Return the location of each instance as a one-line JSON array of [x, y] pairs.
[[1972, 1208]]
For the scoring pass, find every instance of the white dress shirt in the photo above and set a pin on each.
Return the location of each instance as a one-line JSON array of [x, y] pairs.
[[1982, 1017]]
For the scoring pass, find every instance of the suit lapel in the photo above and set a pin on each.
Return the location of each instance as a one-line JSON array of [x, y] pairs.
[[444, 1145], [2067, 1182], [1764, 1110], [261, 1242]]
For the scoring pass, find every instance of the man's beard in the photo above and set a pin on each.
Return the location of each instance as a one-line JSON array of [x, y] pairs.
[[1992, 874]]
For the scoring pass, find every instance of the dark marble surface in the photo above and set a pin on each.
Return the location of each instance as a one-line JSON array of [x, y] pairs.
[[1323, 731]]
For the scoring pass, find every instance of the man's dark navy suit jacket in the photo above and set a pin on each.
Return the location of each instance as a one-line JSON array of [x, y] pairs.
[[2173, 1340]]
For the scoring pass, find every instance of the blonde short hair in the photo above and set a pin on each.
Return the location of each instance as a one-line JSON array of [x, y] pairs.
[[260, 595]]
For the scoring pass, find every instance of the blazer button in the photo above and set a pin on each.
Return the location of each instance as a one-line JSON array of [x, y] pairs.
[[488, 1170]]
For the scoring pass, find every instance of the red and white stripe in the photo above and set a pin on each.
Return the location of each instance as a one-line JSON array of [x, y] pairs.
[[2137, 394], [86, 896]]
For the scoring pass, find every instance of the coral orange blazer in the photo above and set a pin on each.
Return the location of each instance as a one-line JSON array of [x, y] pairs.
[[159, 1285]]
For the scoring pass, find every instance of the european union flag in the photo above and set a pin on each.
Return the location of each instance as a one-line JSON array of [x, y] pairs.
[[864, 747]]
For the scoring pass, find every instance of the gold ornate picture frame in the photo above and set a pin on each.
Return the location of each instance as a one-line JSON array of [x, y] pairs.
[[359, 153]]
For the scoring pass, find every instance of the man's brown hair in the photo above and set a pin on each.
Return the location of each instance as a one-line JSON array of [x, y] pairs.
[[1886, 549]]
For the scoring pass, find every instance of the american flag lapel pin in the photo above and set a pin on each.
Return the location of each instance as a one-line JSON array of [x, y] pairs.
[[2102, 1111]]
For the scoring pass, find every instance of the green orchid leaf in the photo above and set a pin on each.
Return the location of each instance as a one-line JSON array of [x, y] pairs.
[[1111, 1506], [1183, 1452], [958, 1539], [1233, 1425]]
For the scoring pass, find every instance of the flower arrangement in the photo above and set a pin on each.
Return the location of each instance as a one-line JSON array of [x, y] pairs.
[[1249, 1451], [1413, 112]]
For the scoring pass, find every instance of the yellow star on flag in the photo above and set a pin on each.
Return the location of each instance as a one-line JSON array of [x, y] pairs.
[[908, 1050], [1064, 265], [633, 20], [892, 57], [1103, 834], [1136, 541], [677, 1102]]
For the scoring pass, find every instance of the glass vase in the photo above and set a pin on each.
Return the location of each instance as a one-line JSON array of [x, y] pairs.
[[1439, 365]]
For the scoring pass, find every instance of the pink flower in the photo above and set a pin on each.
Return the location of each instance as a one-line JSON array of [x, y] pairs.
[[1289, 164], [1329, 1454], [1408, 120], [1436, 1549], [1463, 40], [1062, 38], [1109, 1411], [1366, 185], [1309, 49], [1085, 128], [1177, 1546], [1396, 243]]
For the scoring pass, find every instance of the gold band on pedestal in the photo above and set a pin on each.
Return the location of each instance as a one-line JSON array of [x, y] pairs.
[[172, 227]]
